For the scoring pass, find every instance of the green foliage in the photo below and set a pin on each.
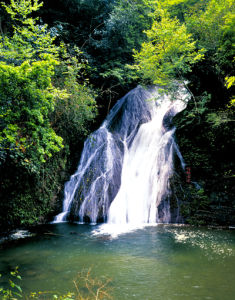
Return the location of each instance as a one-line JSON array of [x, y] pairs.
[[106, 32], [230, 82], [220, 117], [169, 52], [19, 10], [27, 95], [206, 144], [45, 95], [86, 287], [211, 22], [29, 41], [45, 105], [212, 25], [122, 32], [203, 207], [196, 210], [205, 129], [72, 114], [27, 98], [14, 291]]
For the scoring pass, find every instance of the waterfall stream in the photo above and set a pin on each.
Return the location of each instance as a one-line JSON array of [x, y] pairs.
[[125, 167]]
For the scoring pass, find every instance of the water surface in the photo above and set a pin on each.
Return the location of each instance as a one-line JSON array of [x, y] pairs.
[[159, 262]]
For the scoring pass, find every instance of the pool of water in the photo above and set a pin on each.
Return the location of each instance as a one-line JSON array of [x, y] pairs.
[[160, 262]]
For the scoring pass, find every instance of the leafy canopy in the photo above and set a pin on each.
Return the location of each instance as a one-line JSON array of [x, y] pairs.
[[27, 96], [169, 52], [212, 24], [30, 40]]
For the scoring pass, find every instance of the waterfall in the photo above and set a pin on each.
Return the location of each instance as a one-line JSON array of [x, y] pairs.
[[125, 167]]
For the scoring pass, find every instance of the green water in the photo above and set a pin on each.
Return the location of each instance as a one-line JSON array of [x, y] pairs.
[[161, 262]]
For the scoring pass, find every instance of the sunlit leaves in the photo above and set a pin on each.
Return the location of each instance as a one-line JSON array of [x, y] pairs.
[[169, 52], [229, 82], [27, 96], [72, 113], [25, 93], [209, 23], [20, 9]]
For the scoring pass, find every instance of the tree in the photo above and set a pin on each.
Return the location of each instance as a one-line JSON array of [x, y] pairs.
[[169, 52], [27, 96], [213, 27], [45, 106], [122, 32], [73, 114], [30, 40]]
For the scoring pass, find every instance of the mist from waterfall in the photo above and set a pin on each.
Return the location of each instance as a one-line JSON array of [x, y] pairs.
[[125, 167]]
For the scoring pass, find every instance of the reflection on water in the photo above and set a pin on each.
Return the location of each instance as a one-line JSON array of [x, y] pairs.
[[206, 240], [159, 262]]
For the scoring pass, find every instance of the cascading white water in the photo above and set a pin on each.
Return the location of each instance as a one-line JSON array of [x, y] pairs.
[[123, 175], [147, 165]]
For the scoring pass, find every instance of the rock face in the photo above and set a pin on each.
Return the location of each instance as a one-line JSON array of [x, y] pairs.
[[126, 165]]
